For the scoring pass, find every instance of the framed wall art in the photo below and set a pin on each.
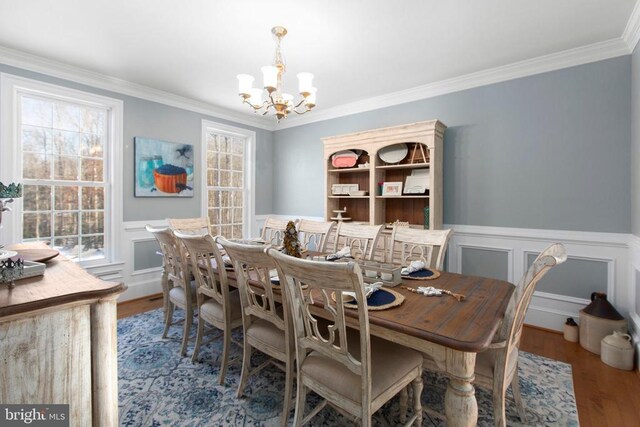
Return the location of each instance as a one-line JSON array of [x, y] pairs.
[[392, 189], [162, 168]]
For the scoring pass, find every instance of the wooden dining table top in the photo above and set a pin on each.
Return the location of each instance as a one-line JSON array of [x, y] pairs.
[[467, 325]]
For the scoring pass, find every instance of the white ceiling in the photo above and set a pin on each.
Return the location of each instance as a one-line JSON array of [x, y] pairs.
[[357, 49]]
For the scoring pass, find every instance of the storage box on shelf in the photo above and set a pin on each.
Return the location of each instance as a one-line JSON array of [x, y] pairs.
[[423, 142]]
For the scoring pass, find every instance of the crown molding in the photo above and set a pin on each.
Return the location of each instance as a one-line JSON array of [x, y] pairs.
[[542, 64], [631, 34], [75, 74]]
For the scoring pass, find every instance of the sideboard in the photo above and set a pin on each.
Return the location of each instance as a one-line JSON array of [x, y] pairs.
[[58, 343]]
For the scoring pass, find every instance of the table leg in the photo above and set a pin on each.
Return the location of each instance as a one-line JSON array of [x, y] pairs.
[[460, 402]]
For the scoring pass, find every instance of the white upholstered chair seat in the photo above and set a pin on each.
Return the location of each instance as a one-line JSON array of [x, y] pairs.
[[177, 294], [389, 361], [267, 334], [213, 310]]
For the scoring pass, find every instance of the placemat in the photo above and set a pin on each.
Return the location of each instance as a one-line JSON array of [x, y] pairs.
[[382, 299], [424, 274]]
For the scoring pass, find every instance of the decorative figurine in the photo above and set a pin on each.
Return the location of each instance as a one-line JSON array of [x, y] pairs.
[[290, 242]]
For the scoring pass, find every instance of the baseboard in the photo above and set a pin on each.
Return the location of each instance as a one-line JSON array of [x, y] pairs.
[[140, 290]]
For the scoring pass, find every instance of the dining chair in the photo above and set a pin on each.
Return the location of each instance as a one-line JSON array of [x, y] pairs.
[[361, 238], [177, 287], [273, 230], [351, 371], [217, 305], [266, 325], [409, 244], [497, 367], [315, 234], [198, 225]]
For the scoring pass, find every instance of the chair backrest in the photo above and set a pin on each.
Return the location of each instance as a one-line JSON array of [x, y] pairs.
[[326, 281], [517, 309], [254, 268], [361, 238], [207, 265], [197, 226], [172, 256], [273, 230], [315, 234], [409, 244]]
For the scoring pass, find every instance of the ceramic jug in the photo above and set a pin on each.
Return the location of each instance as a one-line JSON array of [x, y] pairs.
[[617, 351], [597, 320]]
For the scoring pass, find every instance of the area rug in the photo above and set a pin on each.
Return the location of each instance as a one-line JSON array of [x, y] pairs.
[[157, 387]]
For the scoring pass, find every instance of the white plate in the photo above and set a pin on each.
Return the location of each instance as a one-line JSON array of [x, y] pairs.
[[393, 153], [7, 254]]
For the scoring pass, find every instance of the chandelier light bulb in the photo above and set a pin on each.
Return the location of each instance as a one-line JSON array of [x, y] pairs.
[[310, 100], [305, 83], [287, 98], [270, 77], [245, 83], [255, 98]]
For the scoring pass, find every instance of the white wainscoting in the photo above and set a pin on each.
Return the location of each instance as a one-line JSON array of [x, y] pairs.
[[139, 282], [634, 293], [550, 310]]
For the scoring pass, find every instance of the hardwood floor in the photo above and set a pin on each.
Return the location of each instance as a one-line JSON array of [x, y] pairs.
[[605, 396]]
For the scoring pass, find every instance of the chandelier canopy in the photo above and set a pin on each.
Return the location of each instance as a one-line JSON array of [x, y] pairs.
[[278, 103]]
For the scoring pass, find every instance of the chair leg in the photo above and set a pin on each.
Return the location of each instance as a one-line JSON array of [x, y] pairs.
[[188, 320], [515, 389], [301, 397], [404, 397], [168, 319], [200, 332], [499, 416], [417, 399], [288, 386], [246, 364], [164, 280], [226, 343]]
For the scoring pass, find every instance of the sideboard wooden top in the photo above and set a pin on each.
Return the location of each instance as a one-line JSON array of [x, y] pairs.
[[63, 282]]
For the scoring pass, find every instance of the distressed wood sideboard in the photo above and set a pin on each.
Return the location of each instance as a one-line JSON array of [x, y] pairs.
[[58, 343]]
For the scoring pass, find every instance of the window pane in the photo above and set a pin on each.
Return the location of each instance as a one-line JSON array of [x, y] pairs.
[[226, 231], [236, 179], [92, 198], [93, 121], [237, 146], [93, 222], [225, 161], [225, 216], [36, 166], [68, 246], [236, 163], [65, 168], [36, 197], [65, 223], [223, 145], [92, 247], [91, 145], [36, 225], [66, 143], [66, 116], [36, 139], [92, 170], [36, 112], [212, 160], [214, 198], [214, 216], [66, 198], [237, 231], [225, 179], [237, 215]]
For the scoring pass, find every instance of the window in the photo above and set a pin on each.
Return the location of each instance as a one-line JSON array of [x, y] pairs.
[[64, 148], [228, 177]]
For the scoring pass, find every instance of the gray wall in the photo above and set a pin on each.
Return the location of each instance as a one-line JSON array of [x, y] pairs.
[[635, 141], [151, 119], [145, 256], [485, 263], [550, 151]]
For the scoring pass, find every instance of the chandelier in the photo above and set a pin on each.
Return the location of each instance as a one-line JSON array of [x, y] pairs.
[[278, 102]]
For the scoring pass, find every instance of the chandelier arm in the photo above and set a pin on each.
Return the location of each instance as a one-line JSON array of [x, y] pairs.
[[303, 112], [300, 103]]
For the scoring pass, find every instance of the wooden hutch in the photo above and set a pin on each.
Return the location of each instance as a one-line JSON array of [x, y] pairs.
[[375, 208]]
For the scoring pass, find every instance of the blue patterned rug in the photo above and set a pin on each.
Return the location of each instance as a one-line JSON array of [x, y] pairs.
[[160, 388]]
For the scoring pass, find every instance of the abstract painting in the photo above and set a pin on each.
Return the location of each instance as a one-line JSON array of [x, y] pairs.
[[162, 169]]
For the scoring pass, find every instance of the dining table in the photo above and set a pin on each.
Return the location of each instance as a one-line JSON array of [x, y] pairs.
[[448, 331]]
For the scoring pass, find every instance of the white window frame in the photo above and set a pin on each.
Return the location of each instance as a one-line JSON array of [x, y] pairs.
[[11, 87], [249, 210]]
